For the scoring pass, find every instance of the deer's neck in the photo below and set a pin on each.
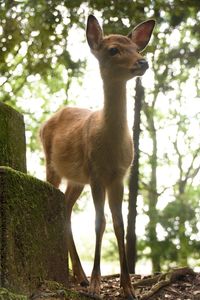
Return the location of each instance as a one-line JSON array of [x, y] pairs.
[[114, 112]]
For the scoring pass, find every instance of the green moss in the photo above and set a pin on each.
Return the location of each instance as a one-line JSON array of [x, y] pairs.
[[49, 290], [58, 291], [31, 231], [12, 138], [7, 295]]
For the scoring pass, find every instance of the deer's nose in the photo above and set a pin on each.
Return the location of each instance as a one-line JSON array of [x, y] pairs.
[[143, 64]]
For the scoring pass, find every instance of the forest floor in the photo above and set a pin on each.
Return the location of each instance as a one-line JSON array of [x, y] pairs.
[[178, 284]]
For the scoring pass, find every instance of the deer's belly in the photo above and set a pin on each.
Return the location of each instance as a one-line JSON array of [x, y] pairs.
[[72, 171], [108, 169], [70, 164]]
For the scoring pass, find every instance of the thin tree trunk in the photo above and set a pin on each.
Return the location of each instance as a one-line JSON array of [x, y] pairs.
[[131, 241], [152, 191]]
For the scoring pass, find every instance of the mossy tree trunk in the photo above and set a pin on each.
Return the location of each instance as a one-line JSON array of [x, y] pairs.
[[12, 139], [32, 232]]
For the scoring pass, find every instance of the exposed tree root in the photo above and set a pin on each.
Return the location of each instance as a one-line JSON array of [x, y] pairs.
[[162, 280]]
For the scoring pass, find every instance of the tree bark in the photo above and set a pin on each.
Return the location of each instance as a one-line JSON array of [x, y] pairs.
[[152, 190], [131, 240]]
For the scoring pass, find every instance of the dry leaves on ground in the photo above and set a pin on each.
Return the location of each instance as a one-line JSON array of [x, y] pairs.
[[178, 284]]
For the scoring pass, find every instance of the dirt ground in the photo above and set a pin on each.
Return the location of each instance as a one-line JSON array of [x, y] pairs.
[[177, 284]]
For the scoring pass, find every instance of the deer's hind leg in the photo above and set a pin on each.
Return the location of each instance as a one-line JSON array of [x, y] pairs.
[[51, 175], [72, 193]]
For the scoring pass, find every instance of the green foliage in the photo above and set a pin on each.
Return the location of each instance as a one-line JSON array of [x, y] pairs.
[[169, 159], [179, 220], [34, 56], [37, 66]]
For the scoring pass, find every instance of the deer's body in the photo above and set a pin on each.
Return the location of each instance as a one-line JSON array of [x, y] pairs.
[[92, 146], [95, 148]]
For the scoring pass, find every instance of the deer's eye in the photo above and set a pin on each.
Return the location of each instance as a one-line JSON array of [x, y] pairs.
[[113, 51]]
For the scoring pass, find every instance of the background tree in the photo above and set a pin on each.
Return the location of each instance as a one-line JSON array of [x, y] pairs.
[[35, 60], [172, 65], [131, 239], [37, 65]]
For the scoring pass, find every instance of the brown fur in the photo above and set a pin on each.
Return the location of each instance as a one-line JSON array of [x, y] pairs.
[[95, 148]]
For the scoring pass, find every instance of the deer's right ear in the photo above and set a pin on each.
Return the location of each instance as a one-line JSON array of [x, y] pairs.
[[94, 33]]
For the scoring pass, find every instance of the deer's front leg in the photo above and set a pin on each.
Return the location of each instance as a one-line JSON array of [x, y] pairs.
[[115, 197], [98, 194]]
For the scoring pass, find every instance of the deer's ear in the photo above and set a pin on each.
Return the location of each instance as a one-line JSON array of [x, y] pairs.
[[141, 34], [94, 32]]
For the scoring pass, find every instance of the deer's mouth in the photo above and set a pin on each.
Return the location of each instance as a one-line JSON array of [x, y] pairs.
[[140, 67], [138, 71]]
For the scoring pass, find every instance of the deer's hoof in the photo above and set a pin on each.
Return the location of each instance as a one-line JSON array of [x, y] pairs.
[[84, 283]]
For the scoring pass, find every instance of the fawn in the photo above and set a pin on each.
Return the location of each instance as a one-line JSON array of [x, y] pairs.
[[95, 148]]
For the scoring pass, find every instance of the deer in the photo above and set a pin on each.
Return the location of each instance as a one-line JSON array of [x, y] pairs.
[[95, 147]]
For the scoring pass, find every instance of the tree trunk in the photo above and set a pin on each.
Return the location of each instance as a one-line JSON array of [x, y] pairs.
[[183, 251], [152, 190], [131, 251]]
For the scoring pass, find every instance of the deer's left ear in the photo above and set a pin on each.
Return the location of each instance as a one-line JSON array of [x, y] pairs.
[[141, 34]]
